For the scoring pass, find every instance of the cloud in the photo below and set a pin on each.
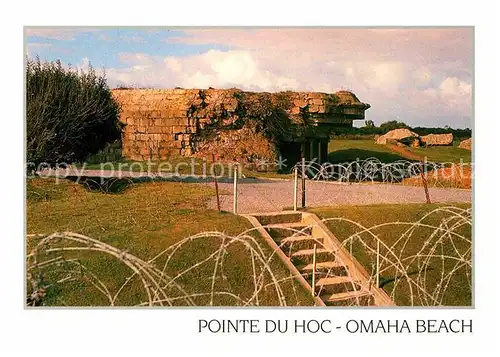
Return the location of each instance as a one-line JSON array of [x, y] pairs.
[[453, 95], [84, 65], [366, 75], [453, 87], [421, 77], [211, 69], [33, 48], [414, 45], [136, 58]]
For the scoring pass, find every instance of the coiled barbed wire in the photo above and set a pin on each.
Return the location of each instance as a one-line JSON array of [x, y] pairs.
[[57, 259], [370, 169]]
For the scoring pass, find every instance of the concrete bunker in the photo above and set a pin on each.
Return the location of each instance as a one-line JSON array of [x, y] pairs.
[[247, 127]]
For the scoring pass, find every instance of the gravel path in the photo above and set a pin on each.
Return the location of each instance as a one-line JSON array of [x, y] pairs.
[[267, 195], [273, 195]]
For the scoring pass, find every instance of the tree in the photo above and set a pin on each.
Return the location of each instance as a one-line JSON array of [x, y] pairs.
[[70, 114], [369, 124], [393, 124]]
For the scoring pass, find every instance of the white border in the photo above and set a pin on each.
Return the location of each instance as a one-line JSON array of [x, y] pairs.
[[140, 332]]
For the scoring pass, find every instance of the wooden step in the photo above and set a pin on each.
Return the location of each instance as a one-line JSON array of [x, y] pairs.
[[333, 280], [301, 238], [294, 225], [279, 218], [320, 266], [310, 252], [295, 243], [345, 296], [283, 230]]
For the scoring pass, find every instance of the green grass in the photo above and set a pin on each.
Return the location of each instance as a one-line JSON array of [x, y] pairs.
[[340, 151], [351, 150], [145, 219], [443, 154], [458, 293]]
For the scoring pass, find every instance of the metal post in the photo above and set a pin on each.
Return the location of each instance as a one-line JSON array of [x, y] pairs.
[[320, 157], [377, 278], [216, 185], [313, 287], [303, 182], [424, 183], [235, 191], [295, 182]]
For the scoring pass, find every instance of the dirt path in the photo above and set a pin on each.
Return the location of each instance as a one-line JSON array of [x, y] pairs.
[[274, 195]]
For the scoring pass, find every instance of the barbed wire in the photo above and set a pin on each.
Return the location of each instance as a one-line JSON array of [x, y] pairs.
[[373, 170], [444, 250]]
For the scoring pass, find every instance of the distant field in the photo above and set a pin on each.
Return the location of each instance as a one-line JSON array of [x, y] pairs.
[[351, 150], [443, 154]]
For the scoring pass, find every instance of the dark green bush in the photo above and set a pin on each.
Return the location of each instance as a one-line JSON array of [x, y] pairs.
[[70, 114]]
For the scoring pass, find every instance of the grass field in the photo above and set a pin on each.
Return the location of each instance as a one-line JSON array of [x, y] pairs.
[[147, 218], [340, 151], [144, 220], [351, 150], [443, 154], [395, 235]]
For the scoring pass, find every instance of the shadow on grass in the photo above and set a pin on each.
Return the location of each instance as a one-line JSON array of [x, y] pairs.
[[350, 155], [384, 281], [103, 184]]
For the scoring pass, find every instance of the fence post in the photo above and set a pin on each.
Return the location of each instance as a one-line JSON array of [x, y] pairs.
[[216, 185], [303, 182], [295, 184], [313, 286], [235, 190], [424, 183], [377, 278]]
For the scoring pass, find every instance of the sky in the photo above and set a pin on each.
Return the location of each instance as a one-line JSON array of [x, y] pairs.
[[421, 76]]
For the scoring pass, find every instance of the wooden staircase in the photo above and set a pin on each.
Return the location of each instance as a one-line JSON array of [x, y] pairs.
[[315, 256]]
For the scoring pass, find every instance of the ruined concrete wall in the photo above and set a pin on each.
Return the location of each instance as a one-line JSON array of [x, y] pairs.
[[190, 122], [155, 122]]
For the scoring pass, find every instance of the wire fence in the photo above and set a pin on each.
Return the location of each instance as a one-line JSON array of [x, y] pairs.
[[375, 171]]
